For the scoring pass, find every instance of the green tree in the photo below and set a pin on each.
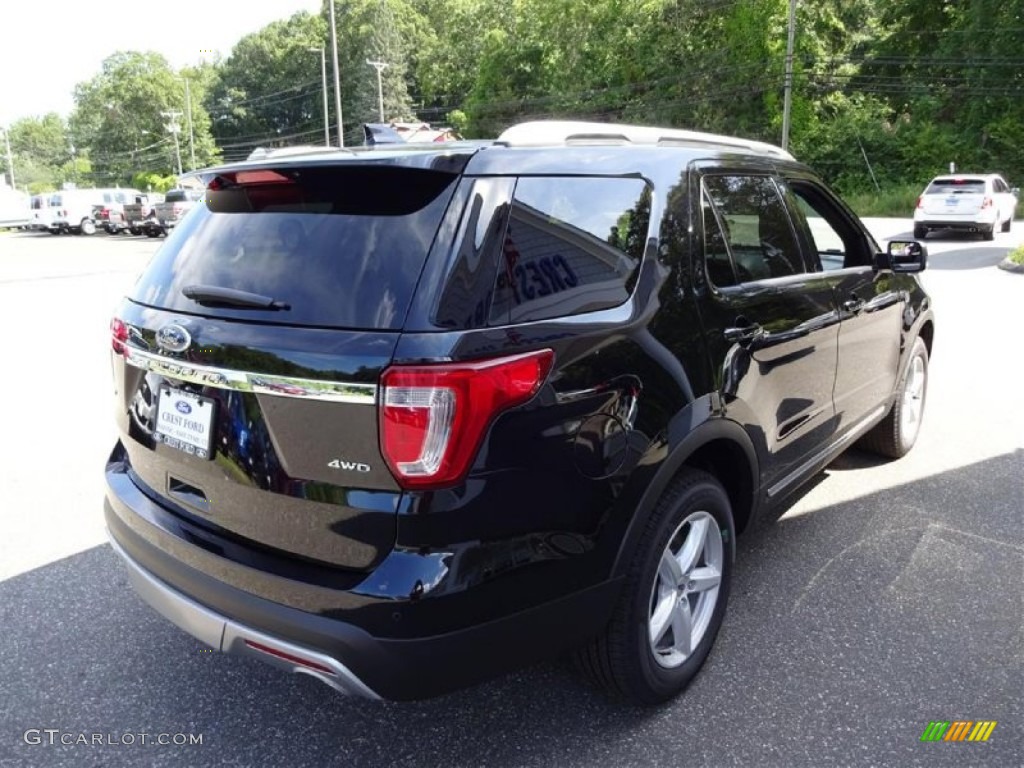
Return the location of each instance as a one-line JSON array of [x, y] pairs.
[[268, 90], [39, 146], [119, 123]]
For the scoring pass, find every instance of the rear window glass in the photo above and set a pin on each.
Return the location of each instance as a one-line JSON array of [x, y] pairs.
[[340, 247], [572, 245], [180, 196], [947, 186]]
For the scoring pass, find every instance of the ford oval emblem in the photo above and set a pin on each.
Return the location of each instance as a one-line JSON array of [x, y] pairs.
[[173, 338], [183, 407]]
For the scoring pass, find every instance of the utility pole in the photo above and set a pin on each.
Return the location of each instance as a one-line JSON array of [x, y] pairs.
[[191, 133], [787, 107], [10, 158], [380, 66], [173, 128], [337, 78]]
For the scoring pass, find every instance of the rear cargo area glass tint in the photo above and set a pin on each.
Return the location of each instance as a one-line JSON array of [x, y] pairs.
[[338, 247], [954, 186]]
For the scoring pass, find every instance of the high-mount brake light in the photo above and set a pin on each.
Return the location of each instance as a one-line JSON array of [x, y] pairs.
[[433, 417]]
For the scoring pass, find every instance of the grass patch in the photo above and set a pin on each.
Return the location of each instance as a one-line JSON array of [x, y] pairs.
[[894, 201], [1017, 255]]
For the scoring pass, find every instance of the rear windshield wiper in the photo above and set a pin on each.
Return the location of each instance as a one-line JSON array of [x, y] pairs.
[[216, 296]]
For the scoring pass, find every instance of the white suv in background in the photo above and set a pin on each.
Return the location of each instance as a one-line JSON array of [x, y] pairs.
[[968, 202]]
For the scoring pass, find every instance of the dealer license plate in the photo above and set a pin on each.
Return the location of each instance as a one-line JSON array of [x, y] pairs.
[[185, 421]]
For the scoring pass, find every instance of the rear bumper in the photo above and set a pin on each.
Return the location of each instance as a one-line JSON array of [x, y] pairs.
[[223, 634], [973, 221], [331, 645]]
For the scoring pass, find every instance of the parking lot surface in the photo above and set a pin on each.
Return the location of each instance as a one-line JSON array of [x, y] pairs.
[[886, 596]]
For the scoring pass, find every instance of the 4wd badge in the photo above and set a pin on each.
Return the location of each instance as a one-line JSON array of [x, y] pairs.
[[348, 466]]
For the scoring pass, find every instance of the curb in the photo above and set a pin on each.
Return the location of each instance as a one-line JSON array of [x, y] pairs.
[[1009, 266]]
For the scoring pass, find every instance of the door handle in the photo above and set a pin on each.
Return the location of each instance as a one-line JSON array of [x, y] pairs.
[[853, 304], [743, 334]]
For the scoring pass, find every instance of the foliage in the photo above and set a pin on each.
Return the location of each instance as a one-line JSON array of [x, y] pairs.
[[39, 145], [118, 122], [884, 93], [1016, 256], [268, 91], [147, 181], [898, 200]]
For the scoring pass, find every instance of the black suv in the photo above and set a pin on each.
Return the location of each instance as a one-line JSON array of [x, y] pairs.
[[402, 418]]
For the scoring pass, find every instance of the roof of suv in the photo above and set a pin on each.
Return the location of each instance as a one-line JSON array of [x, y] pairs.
[[535, 135]]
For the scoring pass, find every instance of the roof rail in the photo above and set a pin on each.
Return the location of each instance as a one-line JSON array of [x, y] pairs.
[[546, 133]]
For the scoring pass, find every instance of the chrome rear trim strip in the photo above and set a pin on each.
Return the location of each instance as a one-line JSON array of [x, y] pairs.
[[260, 383]]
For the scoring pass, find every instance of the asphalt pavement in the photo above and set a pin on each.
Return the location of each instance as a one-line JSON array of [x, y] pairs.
[[886, 596]]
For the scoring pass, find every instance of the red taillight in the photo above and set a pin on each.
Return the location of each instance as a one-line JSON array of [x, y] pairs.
[[177, 208], [987, 202], [433, 417], [920, 200], [119, 335]]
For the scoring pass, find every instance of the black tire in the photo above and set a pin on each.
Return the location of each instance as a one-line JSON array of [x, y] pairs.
[[135, 231], [920, 233], [87, 227], [891, 437], [990, 233], [621, 659], [1008, 224], [152, 233]]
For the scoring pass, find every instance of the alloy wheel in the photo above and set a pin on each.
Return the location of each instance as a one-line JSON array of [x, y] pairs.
[[685, 589]]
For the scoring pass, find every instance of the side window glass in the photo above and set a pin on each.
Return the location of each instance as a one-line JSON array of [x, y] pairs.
[[757, 226], [716, 252], [466, 296], [572, 245], [827, 243], [838, 243]]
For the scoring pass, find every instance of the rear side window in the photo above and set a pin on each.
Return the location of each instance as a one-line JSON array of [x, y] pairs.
[[755, 226], [340, 247], [572, 245], [956, 186]]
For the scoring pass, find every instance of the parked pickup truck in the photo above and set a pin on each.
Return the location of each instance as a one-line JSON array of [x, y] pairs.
[[167, 214], [135, 213]]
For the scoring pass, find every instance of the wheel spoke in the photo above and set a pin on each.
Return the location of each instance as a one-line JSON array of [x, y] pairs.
[[661, 619], [669, 570], [917, 384], [704, 578], [682, 627], [693, 545]]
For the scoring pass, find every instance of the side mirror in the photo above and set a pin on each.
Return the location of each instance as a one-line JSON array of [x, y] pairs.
[[905, 256], [1016, 191]]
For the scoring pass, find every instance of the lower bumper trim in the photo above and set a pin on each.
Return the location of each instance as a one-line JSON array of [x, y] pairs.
[[229, 636]]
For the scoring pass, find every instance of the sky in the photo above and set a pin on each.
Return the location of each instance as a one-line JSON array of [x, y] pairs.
[[47, 47]]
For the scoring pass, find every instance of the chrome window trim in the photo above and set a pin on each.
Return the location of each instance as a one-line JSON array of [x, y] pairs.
[[258, 383]]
